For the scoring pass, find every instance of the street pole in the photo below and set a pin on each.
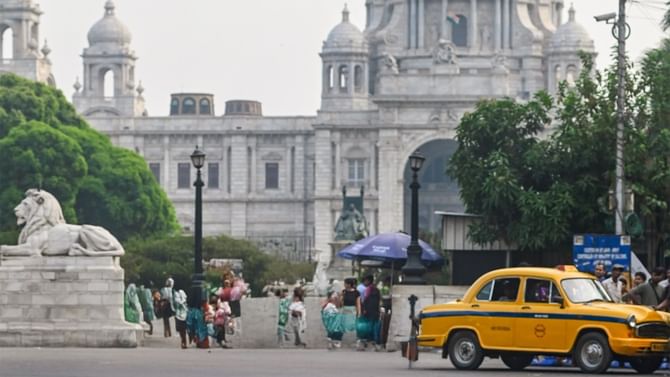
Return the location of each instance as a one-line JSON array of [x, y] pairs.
[[414, 269], [198, 160], [621, 101]]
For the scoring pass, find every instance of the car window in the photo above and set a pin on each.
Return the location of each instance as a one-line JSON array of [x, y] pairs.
[[582, 290], [485, 293], [506, 289], [541, 291]]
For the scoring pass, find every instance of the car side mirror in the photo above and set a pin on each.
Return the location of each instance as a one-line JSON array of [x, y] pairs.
[[558, 300]]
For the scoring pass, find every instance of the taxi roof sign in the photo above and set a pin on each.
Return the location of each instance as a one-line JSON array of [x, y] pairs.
[[567, 268]]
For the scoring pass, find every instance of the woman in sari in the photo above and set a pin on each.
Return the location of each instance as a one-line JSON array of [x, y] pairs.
[[349, 311], [332, 321]]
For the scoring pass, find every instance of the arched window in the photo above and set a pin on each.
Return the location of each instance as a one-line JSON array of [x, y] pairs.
[[205, 107], [571, 75], [343, 74], [108, 86], [8, 43], [358, 78], [330, 77], [459, 30], [188, 106], [174, 107], [557, 76]]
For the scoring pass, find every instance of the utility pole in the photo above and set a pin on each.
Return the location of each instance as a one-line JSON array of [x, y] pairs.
[[620, 104]]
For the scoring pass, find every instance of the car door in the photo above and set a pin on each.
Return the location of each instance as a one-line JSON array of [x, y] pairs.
[[493, 310], [540, 323]]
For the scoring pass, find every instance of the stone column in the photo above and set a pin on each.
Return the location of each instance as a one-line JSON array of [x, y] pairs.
[[412, 24], [239, 186], [167, 185], [420, 23], [338, 162], [506, 25], [497, 26], [390, 185], [443, 20], [473, 24], [323, 227]]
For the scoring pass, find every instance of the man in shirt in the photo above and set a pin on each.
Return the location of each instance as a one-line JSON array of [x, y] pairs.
[[615, 284], [649, 293], [599, 271]]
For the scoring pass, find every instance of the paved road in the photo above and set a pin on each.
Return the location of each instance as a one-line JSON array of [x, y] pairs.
[[174, 362]]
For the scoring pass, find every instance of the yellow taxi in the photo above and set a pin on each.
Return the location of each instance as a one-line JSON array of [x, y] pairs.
[[518, 313]]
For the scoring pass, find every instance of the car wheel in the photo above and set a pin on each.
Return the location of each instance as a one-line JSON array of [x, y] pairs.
[[516, 361], [465, 351], [645, 365], [592, 353]]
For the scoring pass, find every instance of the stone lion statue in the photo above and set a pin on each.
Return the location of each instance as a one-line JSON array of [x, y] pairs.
[[46, 233]]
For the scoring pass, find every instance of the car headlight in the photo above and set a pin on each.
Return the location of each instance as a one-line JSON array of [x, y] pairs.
[[631, 321]]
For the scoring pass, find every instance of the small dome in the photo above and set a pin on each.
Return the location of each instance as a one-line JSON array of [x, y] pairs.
[[345, 34], [109, 29], [571, 36]]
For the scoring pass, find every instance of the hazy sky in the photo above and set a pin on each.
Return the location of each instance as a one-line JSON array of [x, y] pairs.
[[265, 50]]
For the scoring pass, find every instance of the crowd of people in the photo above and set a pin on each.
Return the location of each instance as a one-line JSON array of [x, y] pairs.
[[361, 309], [214, 321], [651, 291]]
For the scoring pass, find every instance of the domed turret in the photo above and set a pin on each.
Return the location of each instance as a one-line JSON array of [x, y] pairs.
[[345, 68], [571, 37], [345, 35], [109, 29], [563, 61]]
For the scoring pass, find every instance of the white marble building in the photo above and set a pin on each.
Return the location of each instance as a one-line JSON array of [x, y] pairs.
[[401, 84]]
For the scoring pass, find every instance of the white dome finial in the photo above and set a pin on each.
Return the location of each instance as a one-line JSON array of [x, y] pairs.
[[109, 7], [571, 13], [345, 13]]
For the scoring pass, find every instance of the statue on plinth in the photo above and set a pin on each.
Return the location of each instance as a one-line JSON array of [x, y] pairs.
[[352, 224], [45, 232]]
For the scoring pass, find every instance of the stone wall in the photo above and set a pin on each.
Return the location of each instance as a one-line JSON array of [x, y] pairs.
[[64, 302], [259, 318]]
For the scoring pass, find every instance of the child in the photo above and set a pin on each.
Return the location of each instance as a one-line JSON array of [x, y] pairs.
[[221, 318], [332, 321]]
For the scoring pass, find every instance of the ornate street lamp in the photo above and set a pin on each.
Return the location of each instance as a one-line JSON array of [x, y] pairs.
[[413, 269], [198, 160]]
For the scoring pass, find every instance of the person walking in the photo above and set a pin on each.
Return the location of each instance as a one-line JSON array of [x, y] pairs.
[[369, 323], [146, 301], [167, 306], [298, 317], [616, 284], [282, 316], [349, 310], [180, 313]]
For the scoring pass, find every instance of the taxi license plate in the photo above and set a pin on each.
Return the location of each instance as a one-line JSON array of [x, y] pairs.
[[658, 347]]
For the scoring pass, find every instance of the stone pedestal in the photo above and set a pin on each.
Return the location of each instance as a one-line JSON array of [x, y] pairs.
[[64, 302], [339, 268]]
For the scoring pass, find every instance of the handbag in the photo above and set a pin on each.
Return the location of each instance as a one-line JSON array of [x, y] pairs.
[[363, 328]]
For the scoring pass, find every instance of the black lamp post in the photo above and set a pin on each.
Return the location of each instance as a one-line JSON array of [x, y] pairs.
[[198, 160], [413, 269]]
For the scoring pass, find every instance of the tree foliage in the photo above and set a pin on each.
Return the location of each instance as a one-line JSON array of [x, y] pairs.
[[151, 262], [539, 172], [45, 144]]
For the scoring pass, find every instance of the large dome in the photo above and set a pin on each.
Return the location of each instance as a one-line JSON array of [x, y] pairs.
[[571, 37], [109, 29], [345, 34]]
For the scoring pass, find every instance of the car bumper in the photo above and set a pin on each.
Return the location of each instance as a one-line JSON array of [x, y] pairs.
[[430, 341], [638, 347]]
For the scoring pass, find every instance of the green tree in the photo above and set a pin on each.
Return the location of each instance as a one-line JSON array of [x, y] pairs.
[[45, 144], [538, 172]]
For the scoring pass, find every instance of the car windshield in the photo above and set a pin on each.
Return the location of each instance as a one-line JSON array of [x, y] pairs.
[[581, 290]]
